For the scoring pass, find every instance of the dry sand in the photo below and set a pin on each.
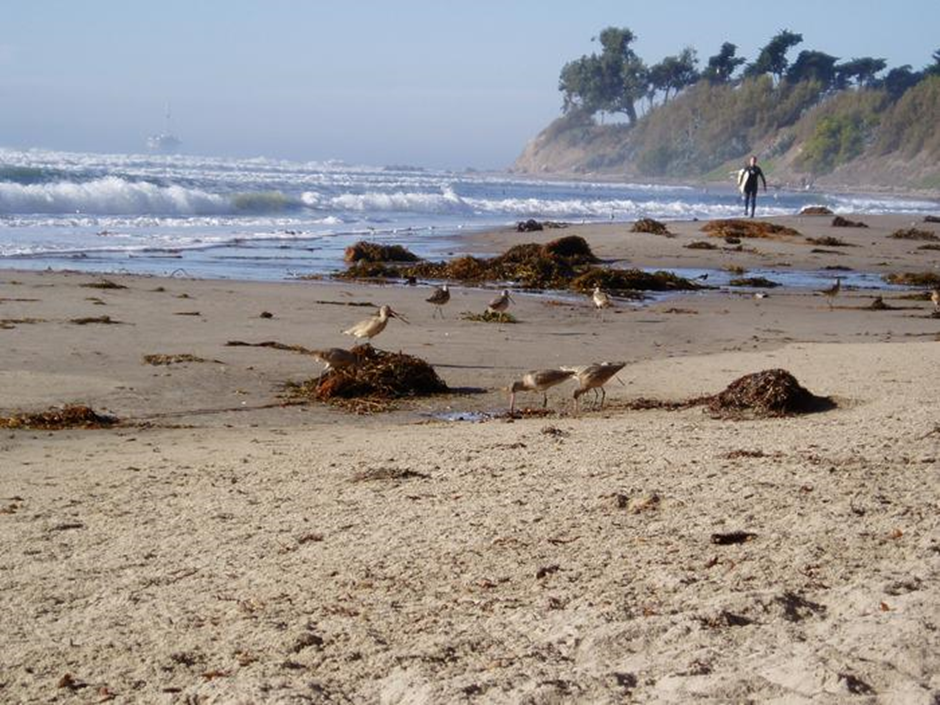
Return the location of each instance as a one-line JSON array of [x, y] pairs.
[[227, 549]]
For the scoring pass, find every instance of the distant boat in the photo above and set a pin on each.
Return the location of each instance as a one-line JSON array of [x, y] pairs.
[[165, 142]]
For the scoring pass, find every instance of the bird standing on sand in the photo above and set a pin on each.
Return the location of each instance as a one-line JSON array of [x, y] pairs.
[[594, 377], [501, 302], [537, 381], [935, 297], [439, 298], [371, 327], [335, 358], [601, 299], [833, 291]]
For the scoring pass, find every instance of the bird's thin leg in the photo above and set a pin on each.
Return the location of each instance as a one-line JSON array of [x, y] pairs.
[[603, 396], [512, 403], [544, 400]]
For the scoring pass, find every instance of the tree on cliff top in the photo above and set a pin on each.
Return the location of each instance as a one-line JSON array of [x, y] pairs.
[[612, 81], [773, 57], [722, 65], [674, 73], [813, 66], [862, 71]]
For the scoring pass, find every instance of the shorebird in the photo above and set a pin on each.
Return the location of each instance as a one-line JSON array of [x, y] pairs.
[[372, 326], [833, 291], [501, 302], [594, 377], [537, 381], [601, 299], [935, 297], [439, 298], [335, 358]]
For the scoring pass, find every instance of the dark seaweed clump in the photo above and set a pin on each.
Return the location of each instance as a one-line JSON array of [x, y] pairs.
[[565, 263], [913, 234], [373, 252], [648, 225], [755, 282], [828, 241], [70, 416], [816, 210], [378, 379], [770, 393], [840, 222], [913, 278]]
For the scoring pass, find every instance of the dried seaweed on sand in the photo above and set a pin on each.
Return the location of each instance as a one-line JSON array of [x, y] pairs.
[[913, 234], [648, 225], [489, 317], [162, 359], [737, 228], [374, 252], [70, 416]]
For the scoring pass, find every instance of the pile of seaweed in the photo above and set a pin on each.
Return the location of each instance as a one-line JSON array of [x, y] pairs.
[[913, 234], [565, 263], [489, 316], [840, 222], [701, 245], [374, 383], [771, 393], [829, 241], [56, 419], [737, 228], [816, 210], [648, 225], [364, 251], [754, 282], [768, 394]]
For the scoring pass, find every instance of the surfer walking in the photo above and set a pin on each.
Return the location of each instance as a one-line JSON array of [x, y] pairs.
[[747, 182]]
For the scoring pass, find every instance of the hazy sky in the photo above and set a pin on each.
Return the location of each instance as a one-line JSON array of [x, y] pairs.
[[435, 83]]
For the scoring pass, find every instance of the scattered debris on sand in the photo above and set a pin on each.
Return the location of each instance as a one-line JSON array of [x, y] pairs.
[[158, 359], [363, 251], [8, 323], [913, 234], [649, 225], [931, 219], [840, 222], [528, 226], [737, 228], [816, 210], [56, 419], [103, 320], [378, 380], [701, 245]]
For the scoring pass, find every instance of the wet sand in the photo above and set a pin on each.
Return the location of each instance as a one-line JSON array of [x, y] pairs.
[[224, 548]]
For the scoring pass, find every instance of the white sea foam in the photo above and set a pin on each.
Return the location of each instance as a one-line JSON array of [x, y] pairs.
[[109, 195]]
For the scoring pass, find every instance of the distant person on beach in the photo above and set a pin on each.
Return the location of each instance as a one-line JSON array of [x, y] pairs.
[[747, 182]]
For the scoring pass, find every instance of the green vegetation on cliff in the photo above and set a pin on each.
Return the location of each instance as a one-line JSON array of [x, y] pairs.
[[807, 118]]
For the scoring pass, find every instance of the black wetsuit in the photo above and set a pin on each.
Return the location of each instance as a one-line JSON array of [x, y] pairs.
[[751, 175]]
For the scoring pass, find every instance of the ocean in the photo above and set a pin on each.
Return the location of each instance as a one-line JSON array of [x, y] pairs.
[[268, 219]]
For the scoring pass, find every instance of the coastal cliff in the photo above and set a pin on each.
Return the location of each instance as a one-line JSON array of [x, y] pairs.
[[857, 137]]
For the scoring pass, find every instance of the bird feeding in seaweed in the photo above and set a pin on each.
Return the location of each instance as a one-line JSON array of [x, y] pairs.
[[439, 298], [335, 358], [372, 326], [593, 378], [501, 302], [537, 381]]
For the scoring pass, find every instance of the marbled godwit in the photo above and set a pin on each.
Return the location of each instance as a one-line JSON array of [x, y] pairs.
[[501, 302], [335, 358], [537, 381], [371, 327], [601, 299], [833, 291], [594, 377], [439, 298], [935, 297]]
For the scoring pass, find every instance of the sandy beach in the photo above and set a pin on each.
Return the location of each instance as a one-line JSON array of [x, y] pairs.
[[220, 546]]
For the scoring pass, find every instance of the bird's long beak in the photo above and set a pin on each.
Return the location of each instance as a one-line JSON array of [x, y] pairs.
[[509, 296], [399, 317]]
